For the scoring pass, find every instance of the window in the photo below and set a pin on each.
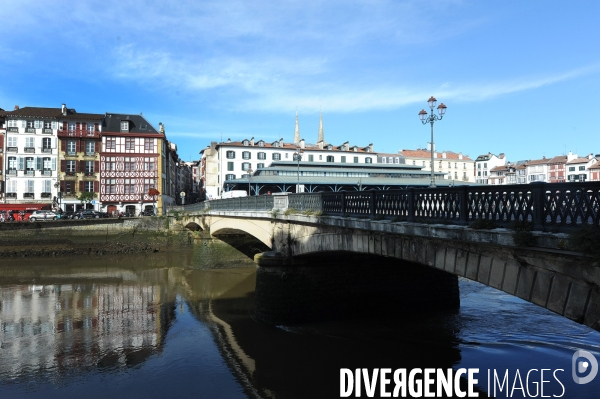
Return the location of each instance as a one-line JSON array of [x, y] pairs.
[[148, 144], [129, 186], [90, 147], [71, 146], [455, 165], [29, 124], [46, 144], [88, 186], [261, 143], [70, 166], [12, 164], [111, 143], [230, 166], [71, 126], [229, 177], [245, 143], [355, 159], [148, 184], [329, 158], [12, 142], [129, 164], [149, 163], [368, 160], [29, 142], [582, 168], [230, 154], [12, 123], [89, 167], [276, 156], [90, 128], [46, 166], [478, 166], [262, 155], [383, 159], [449, 165], [124, 126], [260, 165], [29, 186], [478, 173], [29, 165], [571, 168], [47, 186], [485, 165], [110, 186], [246, 155], [38, 124], [343, 160], [129, 143], [287, 155], [110, 163], [320, 157], [246, 166], [311, 158]]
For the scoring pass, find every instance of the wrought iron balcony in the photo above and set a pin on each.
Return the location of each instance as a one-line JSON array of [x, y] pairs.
[[30, 150], [12, 172], [47, 131], [46, 195], [13, 129], [29, 130], [46, 173], [47, 150], [11, 195], [30, 172], [28, 195], [12, 149]]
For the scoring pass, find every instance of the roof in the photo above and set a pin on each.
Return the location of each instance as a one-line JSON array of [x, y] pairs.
[[342, 166], [54, 113], [294, 146], [595, 166], [542, 161], [427, 154], [354, 181], [579, 160], [558, 159], [137, 123]]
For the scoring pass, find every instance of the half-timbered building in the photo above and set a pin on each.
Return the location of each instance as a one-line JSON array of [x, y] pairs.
[[131, 162]]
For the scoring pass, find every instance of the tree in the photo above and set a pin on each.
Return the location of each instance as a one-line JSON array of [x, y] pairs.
[[86, 197]]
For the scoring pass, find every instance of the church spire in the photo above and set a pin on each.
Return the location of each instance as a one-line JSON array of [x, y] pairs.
[[321, 134], [297, 131]]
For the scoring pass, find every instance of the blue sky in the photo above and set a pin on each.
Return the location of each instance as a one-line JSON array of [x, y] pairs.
[[519, 77]]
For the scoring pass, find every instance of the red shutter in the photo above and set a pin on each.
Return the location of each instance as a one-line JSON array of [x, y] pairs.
[[96, 166], [76, 166], [1, 141], [62, 185], [63, 145], [78, 145], [96, 128], [96, 186], [78, 126], [81, 188], [63, 167]]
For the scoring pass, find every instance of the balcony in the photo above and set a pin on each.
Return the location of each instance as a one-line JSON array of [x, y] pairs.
[[12, 172], [30, 172], [30, 150], [12, 149], [47, 150], [89, 174], [46, 173], [77, 133], [47, 131], [72, 174], [11, 195], [46, 195], [28, 195], [13, 129], [29, 130]]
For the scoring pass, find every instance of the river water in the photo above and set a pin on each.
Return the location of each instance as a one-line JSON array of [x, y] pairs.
[[181, 326]]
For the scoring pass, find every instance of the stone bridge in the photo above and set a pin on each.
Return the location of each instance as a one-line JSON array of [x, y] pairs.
[[296, 263]]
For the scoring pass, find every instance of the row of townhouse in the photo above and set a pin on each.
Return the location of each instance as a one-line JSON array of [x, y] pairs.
[[231, 160], [495, 170], [51, 156]]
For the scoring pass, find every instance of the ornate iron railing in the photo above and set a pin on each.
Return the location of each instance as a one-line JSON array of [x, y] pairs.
[[545, 204]]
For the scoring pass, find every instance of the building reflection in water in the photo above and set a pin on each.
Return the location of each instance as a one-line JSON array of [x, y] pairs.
[[78, 326]]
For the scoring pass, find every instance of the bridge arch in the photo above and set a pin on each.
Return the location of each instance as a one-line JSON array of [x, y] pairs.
[[259, 229]]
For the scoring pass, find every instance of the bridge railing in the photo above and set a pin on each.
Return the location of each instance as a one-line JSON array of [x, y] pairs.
[[546, 204]]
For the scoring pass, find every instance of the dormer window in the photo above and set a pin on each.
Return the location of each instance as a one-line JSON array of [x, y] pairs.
[[124, 126], [276, 144], [261, 143], [246, 143], [329, 147]]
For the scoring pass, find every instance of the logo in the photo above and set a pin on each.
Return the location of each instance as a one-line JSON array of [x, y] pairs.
[[580, 366]]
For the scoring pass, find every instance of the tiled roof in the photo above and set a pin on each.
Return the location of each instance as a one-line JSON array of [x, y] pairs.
[[55, 113], [558, 159], [595, 166], [542, 161], [579, 160], [137, 123], [427, 154]]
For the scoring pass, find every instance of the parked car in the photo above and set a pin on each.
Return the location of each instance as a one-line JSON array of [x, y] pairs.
[[87, 214], [42, 215]]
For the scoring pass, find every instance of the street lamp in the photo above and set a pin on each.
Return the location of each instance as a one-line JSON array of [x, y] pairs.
[[58, 194], [425, 118], [298, 157], [249, 170]]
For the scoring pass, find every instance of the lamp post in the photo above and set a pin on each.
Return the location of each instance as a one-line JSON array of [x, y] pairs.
[[58, 195], [425, 118], [249, 170], [298, 157]]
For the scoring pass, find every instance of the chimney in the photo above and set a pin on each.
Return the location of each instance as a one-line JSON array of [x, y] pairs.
[[302, 144], [460, 155], [16, 107], [345, 146], [252, 141], [444, 155], [64, 109], [281, 142], [371, 147], [320, 144], [429, 147], [229, 140]]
